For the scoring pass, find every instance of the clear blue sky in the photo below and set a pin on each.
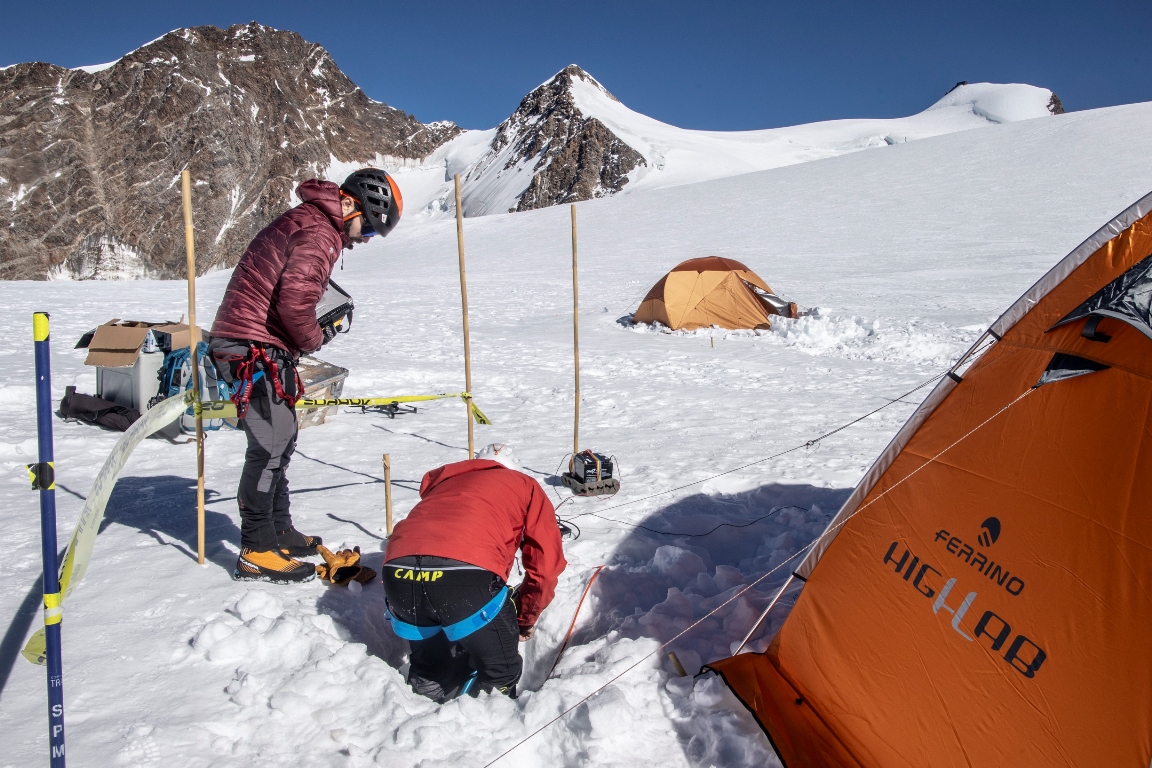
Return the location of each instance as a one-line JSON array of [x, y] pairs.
[[714, 65]]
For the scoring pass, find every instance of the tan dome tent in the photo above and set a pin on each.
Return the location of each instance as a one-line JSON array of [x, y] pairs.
[[984, 596], [711, 291]]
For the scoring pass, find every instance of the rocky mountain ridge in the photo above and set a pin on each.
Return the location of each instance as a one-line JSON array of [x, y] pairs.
[[571, 156], [571, 140], [90, 158]]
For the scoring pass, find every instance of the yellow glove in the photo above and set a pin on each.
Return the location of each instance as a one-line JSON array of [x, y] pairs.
[[343, 566]]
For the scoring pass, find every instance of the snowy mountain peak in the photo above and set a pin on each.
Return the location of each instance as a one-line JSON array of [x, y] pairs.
[[549, 151], [1002, 102], [570, 139], [574, 73]]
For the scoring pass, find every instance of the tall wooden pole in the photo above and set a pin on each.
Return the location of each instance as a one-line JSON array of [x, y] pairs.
[[194, 341], [388, 494], [464, 304], [575, 336]]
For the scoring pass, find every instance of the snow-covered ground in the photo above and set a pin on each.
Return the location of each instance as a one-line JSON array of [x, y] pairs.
[[496, 178], [901, 257]]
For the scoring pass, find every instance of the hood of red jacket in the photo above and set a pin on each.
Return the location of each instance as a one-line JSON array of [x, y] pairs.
[[325, 195], [440, 474]]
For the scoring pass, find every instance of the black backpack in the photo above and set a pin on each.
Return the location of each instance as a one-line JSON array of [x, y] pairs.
[[96, 410]]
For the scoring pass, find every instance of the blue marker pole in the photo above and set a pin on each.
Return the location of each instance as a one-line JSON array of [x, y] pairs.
[[43, 480]]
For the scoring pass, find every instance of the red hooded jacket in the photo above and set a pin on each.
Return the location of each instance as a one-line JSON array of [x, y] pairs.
[[481, 512], [274, 290]]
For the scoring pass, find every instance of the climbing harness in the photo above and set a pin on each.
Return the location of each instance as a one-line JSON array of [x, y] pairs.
[[247, 374], [454, 632]]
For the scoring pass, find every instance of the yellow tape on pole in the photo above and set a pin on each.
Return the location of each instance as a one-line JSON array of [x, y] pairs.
[[39, 326], [53, 613]]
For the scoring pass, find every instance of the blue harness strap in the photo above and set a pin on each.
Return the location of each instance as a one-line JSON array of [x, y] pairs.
[[457, 631]]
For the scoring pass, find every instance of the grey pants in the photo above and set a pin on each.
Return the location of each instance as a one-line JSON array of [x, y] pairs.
[[270, 426]]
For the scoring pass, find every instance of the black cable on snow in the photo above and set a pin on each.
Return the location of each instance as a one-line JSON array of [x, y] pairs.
[[807, 444]]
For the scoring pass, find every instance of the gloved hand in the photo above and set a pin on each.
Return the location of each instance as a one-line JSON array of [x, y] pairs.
[[343, 566], [526, 633], [329, 333]]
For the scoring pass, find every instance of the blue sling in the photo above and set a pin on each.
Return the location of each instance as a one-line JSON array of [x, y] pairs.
[[457, 631]]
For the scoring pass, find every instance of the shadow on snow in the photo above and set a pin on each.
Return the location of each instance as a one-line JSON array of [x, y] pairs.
[[658, 582]]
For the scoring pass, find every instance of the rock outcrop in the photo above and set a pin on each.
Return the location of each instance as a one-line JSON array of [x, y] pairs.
[[571, 156], [90, 160]]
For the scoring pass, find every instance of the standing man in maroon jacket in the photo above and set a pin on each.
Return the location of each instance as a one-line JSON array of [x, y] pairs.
[[266, 320], [445, 573]]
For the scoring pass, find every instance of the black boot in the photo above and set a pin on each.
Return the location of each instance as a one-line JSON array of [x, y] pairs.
[[295, 544]]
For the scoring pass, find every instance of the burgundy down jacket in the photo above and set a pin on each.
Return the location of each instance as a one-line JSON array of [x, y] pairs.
[[274, 290]]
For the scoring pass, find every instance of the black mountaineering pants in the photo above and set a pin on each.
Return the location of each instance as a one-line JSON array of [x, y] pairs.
[[440, 669], [270, 427]]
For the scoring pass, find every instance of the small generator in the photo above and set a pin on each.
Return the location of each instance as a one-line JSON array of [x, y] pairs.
[[590, 474]]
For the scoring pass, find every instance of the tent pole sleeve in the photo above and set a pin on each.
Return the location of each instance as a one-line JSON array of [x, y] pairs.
[[763, 616]]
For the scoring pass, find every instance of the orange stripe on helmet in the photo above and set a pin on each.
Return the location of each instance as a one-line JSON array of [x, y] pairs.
[[396, 195]]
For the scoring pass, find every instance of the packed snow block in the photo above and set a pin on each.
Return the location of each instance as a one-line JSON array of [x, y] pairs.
[[128, 356], [322, 381]]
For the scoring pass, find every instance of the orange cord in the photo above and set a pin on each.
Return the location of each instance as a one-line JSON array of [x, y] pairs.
[[576, 615]]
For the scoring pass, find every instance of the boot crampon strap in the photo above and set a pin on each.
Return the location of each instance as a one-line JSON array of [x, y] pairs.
[[343, 566], [295, 544]]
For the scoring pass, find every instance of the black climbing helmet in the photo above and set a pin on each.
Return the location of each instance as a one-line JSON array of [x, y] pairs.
[[379, 199]]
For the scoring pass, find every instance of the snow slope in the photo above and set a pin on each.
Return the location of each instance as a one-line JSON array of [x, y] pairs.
[[496, 177], [907, 253]]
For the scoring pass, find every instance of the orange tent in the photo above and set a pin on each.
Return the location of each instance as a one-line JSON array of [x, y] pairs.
[[984, 597], [699, 293]]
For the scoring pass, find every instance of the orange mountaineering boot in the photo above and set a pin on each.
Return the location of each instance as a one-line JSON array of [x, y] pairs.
[[271, 566]]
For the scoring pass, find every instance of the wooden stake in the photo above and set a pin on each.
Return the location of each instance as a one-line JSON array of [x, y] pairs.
[[388, 494], [464, 304], [194, 342], [676, 664], [575, 337]]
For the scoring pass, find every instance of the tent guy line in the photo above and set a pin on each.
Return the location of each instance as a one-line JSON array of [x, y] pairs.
[[802, 551], [644, 658], [774, 512], [806, 444]]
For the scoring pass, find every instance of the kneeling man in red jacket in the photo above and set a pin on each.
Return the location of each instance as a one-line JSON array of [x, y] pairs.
[[446, 568]]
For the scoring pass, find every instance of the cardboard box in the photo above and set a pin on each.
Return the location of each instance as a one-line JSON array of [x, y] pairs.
[[117, 344], [125, 373]]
